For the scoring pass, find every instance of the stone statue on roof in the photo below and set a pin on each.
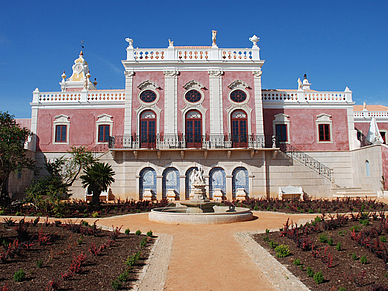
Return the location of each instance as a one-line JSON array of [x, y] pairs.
[[299, 84], [214, 37]]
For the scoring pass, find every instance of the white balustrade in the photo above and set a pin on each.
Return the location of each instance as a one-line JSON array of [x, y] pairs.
[[81, 96], [309, 97], [370, 114]]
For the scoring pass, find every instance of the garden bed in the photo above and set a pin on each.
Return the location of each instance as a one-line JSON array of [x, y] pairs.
[[350, 251], [69, 256]]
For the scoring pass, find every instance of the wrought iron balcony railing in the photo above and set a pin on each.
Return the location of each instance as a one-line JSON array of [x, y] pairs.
[[181, 141]]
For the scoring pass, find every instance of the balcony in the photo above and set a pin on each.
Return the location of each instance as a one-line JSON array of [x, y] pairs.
[[180, 141]]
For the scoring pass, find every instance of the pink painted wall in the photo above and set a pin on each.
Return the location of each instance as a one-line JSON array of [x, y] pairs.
[[82, 131], [364, 127], [227, 79], [158, 79], [303, 129], [183, 78], [384, 155], [24, 122]]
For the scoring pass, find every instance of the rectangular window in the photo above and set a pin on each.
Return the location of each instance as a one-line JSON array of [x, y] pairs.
[[60, 133], [324, 132], [103, 133], [281, 132], [383, 135]]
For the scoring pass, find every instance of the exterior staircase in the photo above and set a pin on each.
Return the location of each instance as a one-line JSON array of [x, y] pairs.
[[294, 153]]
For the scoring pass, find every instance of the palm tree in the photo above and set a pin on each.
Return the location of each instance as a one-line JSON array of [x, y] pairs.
[[98, 176]]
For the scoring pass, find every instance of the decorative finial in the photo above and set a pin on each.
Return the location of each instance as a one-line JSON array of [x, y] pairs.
[[305, 76], [170, 43], [254, 39], [81, 53], [82, 44], [63, 76], [129, 41], [95, 82], [214, 37], [88, 75], [364, 106]]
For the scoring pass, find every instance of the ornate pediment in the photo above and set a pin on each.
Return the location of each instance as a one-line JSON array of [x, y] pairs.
[[238, 84], [148, 85], [193, 85]]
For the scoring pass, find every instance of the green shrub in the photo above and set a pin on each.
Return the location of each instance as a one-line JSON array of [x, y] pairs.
[[85, 223], [18, 213], [363, 260], [273, 244], [39, 263], [323, 238], [116, 284], [255, 207], [356, 228], [123, 277], [342, 289], [318, 219], [149, 233], [266, 238], [311, 211], [296, 262], [342, 232], [318, 277], [80, 240], [338, 247], [383, 238], [282, 251], [330, 242], [127, 231], [266, 230], [310, 272], [364, 222], [354, 256], [95, 214], [143, 242], [268, 208], [301, 267], [1, 212], [138, 232], [19, 276]]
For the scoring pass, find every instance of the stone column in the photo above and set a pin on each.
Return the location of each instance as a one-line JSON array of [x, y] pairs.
[[182, 187], [159, 187], [128, 102], [229, 187], [170, 101], [258, 102], [215, 95]]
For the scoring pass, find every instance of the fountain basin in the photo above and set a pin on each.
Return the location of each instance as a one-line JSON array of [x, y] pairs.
[[186, 215]]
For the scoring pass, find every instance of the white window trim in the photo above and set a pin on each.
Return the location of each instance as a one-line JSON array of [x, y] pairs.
[[61, 120], [156, 110], [148, 85], [189, 107], [324, 118], [104, 119], [282, 118]]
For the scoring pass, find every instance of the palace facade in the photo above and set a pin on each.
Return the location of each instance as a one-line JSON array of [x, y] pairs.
[[185, 106]]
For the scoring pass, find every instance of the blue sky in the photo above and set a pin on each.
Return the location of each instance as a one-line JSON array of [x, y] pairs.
[[336, 43]]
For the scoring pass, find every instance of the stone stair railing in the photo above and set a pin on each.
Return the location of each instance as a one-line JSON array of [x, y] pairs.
[[308, 161]]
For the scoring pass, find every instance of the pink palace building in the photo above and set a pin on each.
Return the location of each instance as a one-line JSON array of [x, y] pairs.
[[188, 106]]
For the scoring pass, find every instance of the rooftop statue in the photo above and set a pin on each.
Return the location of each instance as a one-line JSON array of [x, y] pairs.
[[214, 36]]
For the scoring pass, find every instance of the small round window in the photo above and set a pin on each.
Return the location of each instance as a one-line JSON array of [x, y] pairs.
[[193, 96], [148, 96], [238, 96]]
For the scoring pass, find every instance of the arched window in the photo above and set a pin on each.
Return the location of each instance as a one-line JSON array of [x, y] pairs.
[[148, 129], [367, 170], [240, 180], [239, 129], [193, 129], [170, 182], [147, 181]]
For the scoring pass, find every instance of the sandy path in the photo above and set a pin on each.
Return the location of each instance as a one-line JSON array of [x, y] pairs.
[[208, 257]]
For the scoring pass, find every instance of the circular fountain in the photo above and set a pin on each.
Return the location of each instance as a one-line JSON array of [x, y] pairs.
[[199, 209]]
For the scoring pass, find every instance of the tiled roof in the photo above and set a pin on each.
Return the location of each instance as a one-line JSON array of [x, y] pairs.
[[370, 107]]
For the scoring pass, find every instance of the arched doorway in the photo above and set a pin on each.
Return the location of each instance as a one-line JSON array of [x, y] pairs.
[[193, 123], [170, 181], [147, 181], [189, 174], [239, 129], [240, 180], [217, 180], [148, 129]]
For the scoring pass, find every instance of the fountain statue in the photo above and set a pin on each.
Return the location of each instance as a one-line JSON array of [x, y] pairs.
[[199, 209]]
